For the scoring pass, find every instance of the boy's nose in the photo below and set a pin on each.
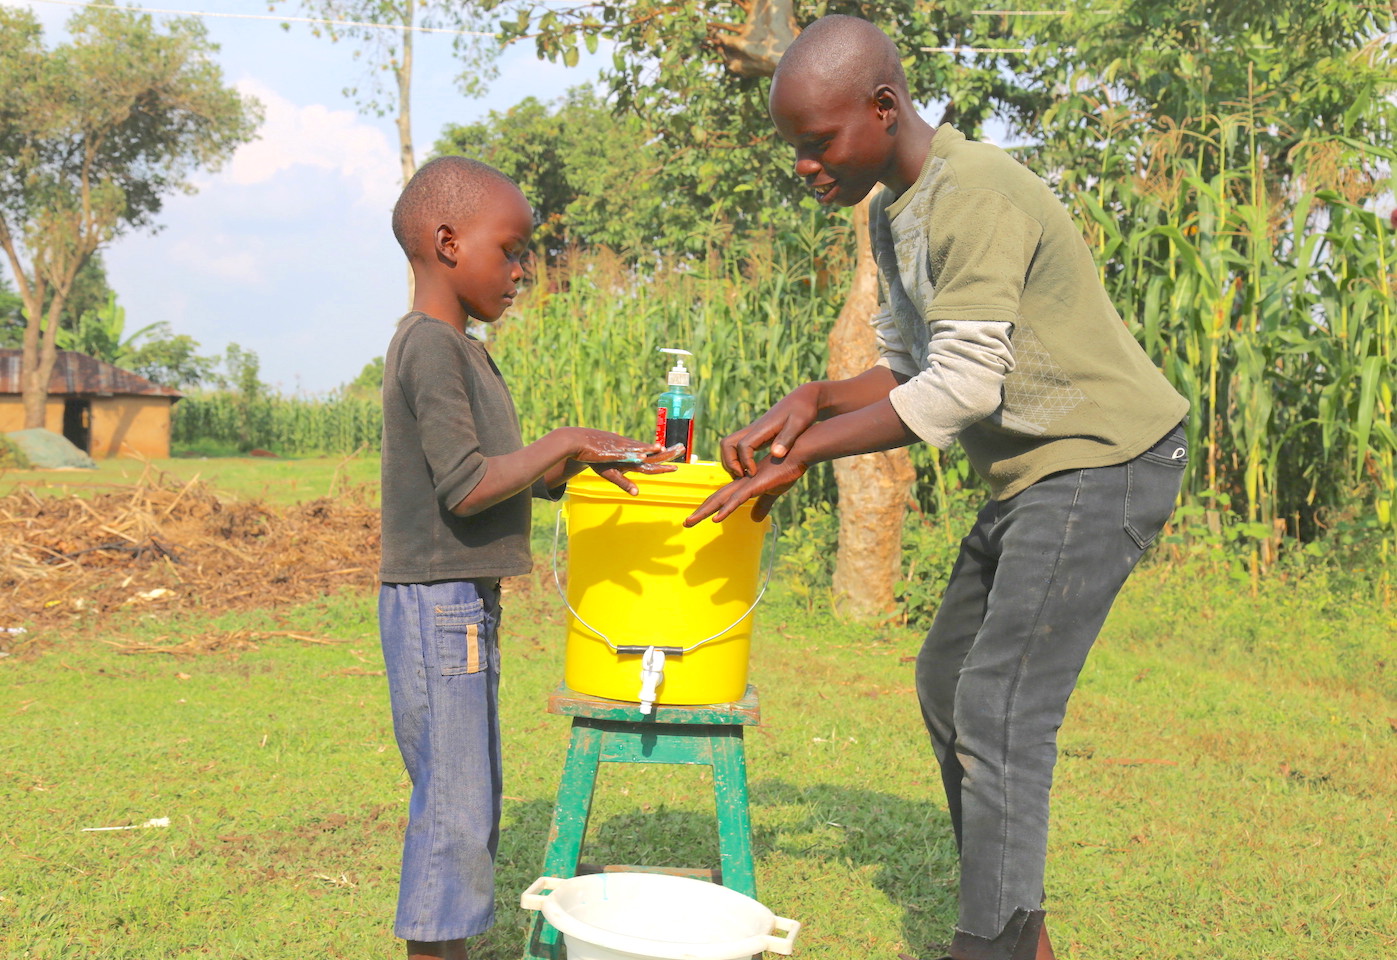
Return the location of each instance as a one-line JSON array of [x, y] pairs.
[[806, 167]]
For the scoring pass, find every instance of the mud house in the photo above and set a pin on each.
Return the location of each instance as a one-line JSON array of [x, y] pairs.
[[100, 408]]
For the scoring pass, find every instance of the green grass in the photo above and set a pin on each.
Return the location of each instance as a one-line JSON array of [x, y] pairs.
[[1227, 786]]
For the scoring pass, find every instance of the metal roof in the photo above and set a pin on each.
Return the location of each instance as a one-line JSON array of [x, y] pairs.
[[78, 375]]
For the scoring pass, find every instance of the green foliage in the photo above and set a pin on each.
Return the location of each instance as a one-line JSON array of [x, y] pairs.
[[89, 293], [153, 351], [171, 360], [11, 456], [218, 421], [581, 347], [387, 53], [242, 371], [101, 333], [1202, 713], [588, 171], [1272, 311], [11, 314], [704, 99], [1307, 71], [107, 125], [368, 385], [94, 134]]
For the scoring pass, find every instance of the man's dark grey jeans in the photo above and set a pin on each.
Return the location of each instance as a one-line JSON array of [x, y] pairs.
[[1029, 592]]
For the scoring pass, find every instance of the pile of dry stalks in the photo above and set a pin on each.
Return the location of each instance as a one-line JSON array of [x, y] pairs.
[[163, 546]]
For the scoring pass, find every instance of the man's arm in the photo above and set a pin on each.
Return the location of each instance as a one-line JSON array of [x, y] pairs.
[[867, 429], [807, 404]]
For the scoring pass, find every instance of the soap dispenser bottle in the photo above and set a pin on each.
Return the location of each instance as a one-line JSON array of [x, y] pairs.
[[674, 418]]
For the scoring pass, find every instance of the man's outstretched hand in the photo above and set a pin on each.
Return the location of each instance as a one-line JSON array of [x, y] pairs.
[[772, 478]]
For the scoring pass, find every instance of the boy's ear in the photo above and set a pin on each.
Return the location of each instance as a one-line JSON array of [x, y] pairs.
[[444, 243]]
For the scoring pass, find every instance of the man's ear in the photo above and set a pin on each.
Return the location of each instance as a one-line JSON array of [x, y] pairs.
[[444, 242], [888, 103]]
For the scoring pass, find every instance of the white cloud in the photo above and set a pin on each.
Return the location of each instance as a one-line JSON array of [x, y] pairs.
[[316, 136], [240, 266]]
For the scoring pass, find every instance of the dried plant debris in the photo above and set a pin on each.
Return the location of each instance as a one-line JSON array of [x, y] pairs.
[[163, 545]]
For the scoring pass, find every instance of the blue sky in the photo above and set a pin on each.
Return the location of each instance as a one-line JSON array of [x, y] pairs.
[[286, 250]]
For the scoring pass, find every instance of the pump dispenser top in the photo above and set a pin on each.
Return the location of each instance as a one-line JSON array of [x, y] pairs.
[[678, 374], [674, 422]]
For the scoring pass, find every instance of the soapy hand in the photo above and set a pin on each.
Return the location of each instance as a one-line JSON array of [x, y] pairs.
[[611, 455], [771, 478], [780, 426]]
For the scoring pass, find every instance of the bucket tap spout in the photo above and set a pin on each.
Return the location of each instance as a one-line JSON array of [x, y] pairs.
[[652, 674]]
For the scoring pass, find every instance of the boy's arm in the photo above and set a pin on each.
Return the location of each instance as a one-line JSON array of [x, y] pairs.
[[558, 455]]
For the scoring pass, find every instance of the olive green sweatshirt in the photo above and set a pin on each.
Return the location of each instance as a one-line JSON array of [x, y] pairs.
[[992, 305]]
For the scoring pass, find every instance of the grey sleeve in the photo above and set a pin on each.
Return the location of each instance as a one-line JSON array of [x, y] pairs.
[[432, 376], [961, 379], [982, 246]]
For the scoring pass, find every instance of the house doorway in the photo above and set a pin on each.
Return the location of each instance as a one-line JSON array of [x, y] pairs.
[[77, 423]]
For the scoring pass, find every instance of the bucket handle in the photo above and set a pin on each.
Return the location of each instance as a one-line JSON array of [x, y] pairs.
[[783, 945], [532, 899], [672, 651]]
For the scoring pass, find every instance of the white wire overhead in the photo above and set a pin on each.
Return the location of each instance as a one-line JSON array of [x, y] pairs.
[[364, 24]]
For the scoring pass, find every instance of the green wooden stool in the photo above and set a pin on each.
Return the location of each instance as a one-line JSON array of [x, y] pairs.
[[615, 731]]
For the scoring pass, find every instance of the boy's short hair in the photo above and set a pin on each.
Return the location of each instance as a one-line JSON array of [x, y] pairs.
[[844, 52], [442, 188]]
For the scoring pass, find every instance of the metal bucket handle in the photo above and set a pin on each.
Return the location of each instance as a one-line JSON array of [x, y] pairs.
[[641, 648]]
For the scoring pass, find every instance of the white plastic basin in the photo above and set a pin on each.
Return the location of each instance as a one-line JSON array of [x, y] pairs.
[[653, 916]]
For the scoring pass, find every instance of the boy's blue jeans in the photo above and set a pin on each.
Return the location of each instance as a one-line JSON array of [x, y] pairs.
[[443, 664], [1030, 590]]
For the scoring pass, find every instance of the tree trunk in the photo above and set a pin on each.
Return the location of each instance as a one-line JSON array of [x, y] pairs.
[[37, 360], [406, 158], [873, 488]]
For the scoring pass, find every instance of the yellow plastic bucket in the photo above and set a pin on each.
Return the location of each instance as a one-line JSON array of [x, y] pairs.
[[638, 579]]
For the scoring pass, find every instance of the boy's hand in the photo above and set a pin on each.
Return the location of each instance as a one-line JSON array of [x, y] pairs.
[[780, 426], [771, 478], [611, 455]]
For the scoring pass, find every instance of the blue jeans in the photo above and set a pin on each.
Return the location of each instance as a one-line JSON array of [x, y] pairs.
[[1027, 596], [443, 664]]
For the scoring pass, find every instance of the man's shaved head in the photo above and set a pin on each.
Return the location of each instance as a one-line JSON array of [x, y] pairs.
[[444, 189], [844, 54]]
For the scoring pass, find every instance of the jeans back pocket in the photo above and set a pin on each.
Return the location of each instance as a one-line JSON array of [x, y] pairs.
[[1153, 480], [463, 645]]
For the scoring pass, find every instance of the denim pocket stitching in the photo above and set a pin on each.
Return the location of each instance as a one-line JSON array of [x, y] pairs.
[[459, 620], [1143, 542]]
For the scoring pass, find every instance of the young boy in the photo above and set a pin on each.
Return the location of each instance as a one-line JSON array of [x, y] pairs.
[[456, 485], [993, 329]]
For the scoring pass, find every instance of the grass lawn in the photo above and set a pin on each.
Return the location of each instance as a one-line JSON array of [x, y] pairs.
[[1227, 786]]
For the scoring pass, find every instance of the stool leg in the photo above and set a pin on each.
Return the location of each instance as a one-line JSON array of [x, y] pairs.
[[570, 816], [734, 819]]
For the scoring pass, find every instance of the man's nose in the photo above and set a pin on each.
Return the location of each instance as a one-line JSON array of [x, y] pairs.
[[806, 167]]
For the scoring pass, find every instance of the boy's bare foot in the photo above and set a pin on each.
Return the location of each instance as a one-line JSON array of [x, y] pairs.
[[439, 950]]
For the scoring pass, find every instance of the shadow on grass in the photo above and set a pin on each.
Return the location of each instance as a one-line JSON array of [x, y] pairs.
[[907, 842]]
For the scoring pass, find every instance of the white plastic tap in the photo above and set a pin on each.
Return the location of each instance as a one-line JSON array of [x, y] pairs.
[[652, 674]]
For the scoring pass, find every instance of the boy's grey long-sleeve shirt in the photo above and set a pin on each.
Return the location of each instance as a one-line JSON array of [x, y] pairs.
[[446, 409], [992, 305]]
